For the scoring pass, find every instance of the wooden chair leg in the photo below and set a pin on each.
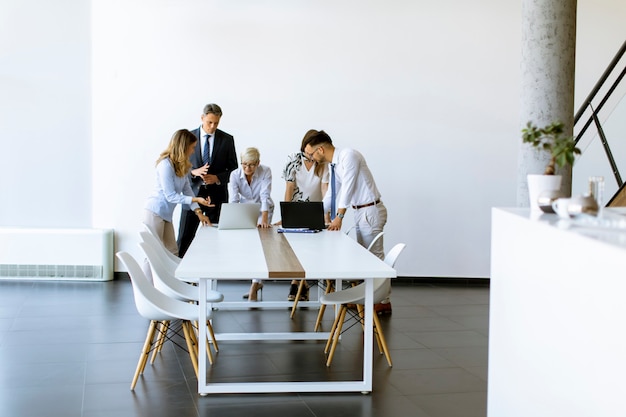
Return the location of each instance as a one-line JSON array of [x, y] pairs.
[[193, 328], [145, 351], [157, 343], [381, 337], [163, 327], [167, 326], [320, 316], [331, 333], [337, 333], [193, 352], [148, 345], [212, 335], [361, 313], [320, 313], [209, 354], [360, 308], [298, 294]]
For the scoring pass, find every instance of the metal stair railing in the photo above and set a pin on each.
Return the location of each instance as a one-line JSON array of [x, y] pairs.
[[609, 87]]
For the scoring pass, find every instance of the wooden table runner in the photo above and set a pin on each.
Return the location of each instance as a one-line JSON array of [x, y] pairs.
[[282, 262]]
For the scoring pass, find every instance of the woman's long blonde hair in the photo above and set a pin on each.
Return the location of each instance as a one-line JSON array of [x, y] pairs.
[[176, 151]]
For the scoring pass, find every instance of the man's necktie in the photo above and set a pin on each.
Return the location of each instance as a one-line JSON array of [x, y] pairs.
[[205, 152], [333, 193]]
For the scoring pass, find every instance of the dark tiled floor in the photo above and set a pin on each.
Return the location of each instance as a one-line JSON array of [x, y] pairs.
[[70, 349]]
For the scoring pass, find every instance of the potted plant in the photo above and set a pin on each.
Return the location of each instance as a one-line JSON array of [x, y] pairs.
[[543, 189], [551, 139]]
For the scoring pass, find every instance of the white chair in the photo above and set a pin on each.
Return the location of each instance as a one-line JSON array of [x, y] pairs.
[[173, 259], [376, 238], [164, 280], [158, 307], [170, 260], [329, 284], [167, 283], [356, 295]]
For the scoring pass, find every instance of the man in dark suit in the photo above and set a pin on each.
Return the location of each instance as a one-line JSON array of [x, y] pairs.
[[212, 162]]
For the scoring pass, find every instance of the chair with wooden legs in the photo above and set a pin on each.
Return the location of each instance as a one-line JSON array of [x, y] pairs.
[[330, 286], [165, 281], [171, 258], [158, 307], [164, 275], [356, 295]]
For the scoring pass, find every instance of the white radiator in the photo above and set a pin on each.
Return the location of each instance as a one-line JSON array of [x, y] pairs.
[[56, 254]]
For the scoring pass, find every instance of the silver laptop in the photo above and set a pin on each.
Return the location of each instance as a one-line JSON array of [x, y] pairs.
[[239, 216]]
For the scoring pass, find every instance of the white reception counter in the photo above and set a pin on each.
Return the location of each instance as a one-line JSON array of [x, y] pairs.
[[557, 329]]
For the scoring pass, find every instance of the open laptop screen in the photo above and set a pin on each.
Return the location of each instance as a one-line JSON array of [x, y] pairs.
[[302, 214], [239, 216]]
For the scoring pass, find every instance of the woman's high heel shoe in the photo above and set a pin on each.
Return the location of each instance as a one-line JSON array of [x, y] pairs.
[[293, 291], [255, 288]]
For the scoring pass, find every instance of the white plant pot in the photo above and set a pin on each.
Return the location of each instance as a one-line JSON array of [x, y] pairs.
[[538, 184]]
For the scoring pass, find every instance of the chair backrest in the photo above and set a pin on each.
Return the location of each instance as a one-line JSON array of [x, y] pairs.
[[159, 250], [153, 234], [376, 238], [164, 254], [150, 302], [165, 280], [392, 255], [373, 242], [382, 286]]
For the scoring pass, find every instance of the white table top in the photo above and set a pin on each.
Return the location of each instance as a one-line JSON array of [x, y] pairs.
[[238, 254]]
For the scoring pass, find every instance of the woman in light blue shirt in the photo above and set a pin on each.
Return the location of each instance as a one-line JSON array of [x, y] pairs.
[[252, 183], [172, 187]]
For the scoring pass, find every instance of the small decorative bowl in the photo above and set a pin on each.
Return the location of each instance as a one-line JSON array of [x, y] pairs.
[[546, 198]]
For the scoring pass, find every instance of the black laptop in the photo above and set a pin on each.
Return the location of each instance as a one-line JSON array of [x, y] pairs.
[[308, 215]]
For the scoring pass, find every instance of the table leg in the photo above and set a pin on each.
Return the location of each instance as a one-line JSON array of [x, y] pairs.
[[368, 339], [202, 335]]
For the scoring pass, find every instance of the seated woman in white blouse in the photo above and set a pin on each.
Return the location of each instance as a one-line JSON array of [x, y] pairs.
[[252, 183]]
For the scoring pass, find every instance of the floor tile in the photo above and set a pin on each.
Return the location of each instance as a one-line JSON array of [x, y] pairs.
[[472, 404], [70, 349]]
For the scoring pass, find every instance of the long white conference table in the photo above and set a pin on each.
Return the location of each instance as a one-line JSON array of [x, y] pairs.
[[263, 253]]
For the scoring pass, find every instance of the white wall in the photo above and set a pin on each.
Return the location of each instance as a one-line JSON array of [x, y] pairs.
[[428, 92], [45, 133]]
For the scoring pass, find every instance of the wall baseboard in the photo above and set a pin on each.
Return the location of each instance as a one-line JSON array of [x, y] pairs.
[[447, 281], [462, 282]]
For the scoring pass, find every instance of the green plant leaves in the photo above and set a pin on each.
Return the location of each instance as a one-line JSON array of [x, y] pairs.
[[550, 138]]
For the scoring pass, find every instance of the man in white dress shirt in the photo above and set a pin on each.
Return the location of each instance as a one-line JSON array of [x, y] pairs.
[[354, 187]]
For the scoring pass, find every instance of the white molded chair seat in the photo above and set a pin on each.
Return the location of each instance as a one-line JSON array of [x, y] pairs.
[[158, 307], [329, 284], [356, 295]]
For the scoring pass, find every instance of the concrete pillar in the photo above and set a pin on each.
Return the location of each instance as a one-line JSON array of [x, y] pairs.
[[547, 74]]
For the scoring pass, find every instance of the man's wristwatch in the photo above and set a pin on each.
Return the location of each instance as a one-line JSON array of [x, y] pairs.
[[340, 215]]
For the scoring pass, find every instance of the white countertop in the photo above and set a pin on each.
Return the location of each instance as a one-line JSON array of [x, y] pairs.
[[609, 228], [556, 315]]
